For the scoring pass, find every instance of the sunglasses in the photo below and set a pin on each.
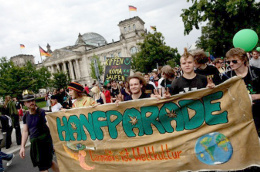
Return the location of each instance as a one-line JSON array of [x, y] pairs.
[[233, 61]]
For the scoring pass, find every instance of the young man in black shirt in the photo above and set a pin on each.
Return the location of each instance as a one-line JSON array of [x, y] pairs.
[[149, 88], [238, 61], [203, 68], [189, 81]]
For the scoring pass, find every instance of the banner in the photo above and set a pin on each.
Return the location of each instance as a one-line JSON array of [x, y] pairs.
[[117, 68], [207, 129]]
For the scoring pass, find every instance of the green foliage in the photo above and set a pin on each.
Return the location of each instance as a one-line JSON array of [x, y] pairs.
[[224, 19], [14, 79], [92, 67], [60, 80], [152, 51]]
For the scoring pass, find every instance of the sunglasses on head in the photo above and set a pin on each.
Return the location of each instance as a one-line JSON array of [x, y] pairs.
[[233, 61]]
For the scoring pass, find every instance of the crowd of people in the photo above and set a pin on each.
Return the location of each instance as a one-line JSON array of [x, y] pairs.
[[196, 71]]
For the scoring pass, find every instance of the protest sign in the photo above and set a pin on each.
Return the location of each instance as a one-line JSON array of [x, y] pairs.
[[117, 68], [207, 129]]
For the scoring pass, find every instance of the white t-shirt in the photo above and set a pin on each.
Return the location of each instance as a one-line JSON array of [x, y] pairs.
[[255, 62], [56, 107]]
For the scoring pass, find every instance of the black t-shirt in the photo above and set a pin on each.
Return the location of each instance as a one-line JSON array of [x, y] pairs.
[[143, 95], [149, 89], [210, 70], [114, 92], [182, 84], [166, 83], [252, 80]]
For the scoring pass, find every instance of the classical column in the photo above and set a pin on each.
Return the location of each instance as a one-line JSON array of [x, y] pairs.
[[52, 69], [58, 67], [71, 70], [78, 69], [64, 67]]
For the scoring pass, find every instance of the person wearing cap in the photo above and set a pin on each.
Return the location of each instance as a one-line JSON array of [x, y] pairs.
[[34, 124], [55, 105], [76, 93]]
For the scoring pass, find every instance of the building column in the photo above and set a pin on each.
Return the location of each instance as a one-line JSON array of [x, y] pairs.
[[52, 69], [78, 69], [71, 70], [64, 67], [58, 67]]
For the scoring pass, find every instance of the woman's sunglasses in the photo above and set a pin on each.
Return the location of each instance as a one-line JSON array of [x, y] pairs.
[[233, 61]]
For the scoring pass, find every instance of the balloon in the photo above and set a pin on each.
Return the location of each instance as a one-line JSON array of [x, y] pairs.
[[245, 39], [258, 49]]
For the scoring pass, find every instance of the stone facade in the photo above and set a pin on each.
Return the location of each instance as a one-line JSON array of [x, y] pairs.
[[21, 59], [76, 59]]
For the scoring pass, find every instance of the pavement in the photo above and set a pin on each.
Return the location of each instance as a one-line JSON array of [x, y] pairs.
[[14, 147]]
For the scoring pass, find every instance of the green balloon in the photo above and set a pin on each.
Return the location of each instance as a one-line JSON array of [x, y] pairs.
[[258, 49], [245, 39]]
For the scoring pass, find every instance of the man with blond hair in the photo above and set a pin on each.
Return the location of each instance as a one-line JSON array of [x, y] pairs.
[[189, 81]]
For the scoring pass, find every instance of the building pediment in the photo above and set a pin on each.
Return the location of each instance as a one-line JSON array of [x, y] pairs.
[[60, 54]]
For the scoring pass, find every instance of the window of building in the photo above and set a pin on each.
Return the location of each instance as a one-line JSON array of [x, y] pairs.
[[133, 50], [119, 54], [105, 58], [112, 55], [125, 29], [129, 28], [133, 26]]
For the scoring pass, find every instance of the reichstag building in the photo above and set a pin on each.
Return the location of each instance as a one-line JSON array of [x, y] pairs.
[[76, 59]]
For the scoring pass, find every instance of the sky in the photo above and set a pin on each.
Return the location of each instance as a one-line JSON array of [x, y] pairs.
[[58, 22]]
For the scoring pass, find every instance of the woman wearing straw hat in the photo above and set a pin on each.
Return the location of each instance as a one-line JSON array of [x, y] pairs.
[[80, 100]]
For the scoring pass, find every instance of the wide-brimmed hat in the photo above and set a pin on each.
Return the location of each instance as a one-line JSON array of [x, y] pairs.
[[27, 95], [76, 86]]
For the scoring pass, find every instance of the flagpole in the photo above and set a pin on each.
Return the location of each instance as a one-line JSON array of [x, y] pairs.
[[40, 53]]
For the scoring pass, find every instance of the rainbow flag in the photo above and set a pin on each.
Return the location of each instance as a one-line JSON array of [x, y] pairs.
[[22, 46], [153, 28], [43, 52], [132, 8]]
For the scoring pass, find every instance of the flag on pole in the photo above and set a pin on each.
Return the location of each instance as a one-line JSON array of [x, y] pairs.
[[43, 52], [132, 8], [153, 28], [22, 46]]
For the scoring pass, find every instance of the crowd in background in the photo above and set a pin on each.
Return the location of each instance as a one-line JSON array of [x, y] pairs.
[[196, 71]]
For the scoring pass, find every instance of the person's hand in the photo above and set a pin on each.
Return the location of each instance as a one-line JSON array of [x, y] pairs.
[[167, 93], [156, 95], [255, 96], [118, 99], [22, 153], [210, 82]]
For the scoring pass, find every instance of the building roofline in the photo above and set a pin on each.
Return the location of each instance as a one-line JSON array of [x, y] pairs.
[[135, 17]]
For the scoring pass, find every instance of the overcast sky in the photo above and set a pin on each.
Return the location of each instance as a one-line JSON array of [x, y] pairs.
[[58, 22]]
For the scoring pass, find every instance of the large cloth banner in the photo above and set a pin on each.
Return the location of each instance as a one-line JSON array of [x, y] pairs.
[[208, 129], [117, 68]]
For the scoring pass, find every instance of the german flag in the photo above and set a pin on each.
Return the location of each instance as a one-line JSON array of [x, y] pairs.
[[43, 52], [22, 46], [153, 28], [132, 8]]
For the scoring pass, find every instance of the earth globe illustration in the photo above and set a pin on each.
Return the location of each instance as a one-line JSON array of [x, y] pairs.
[[213, 148]]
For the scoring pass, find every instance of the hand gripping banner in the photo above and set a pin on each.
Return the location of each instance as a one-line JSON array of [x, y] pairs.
[[208, 129]]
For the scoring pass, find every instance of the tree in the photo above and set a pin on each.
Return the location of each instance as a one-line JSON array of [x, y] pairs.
[[224, 19], [92, 67], [153, 51], [14, 79], [60, 80]]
